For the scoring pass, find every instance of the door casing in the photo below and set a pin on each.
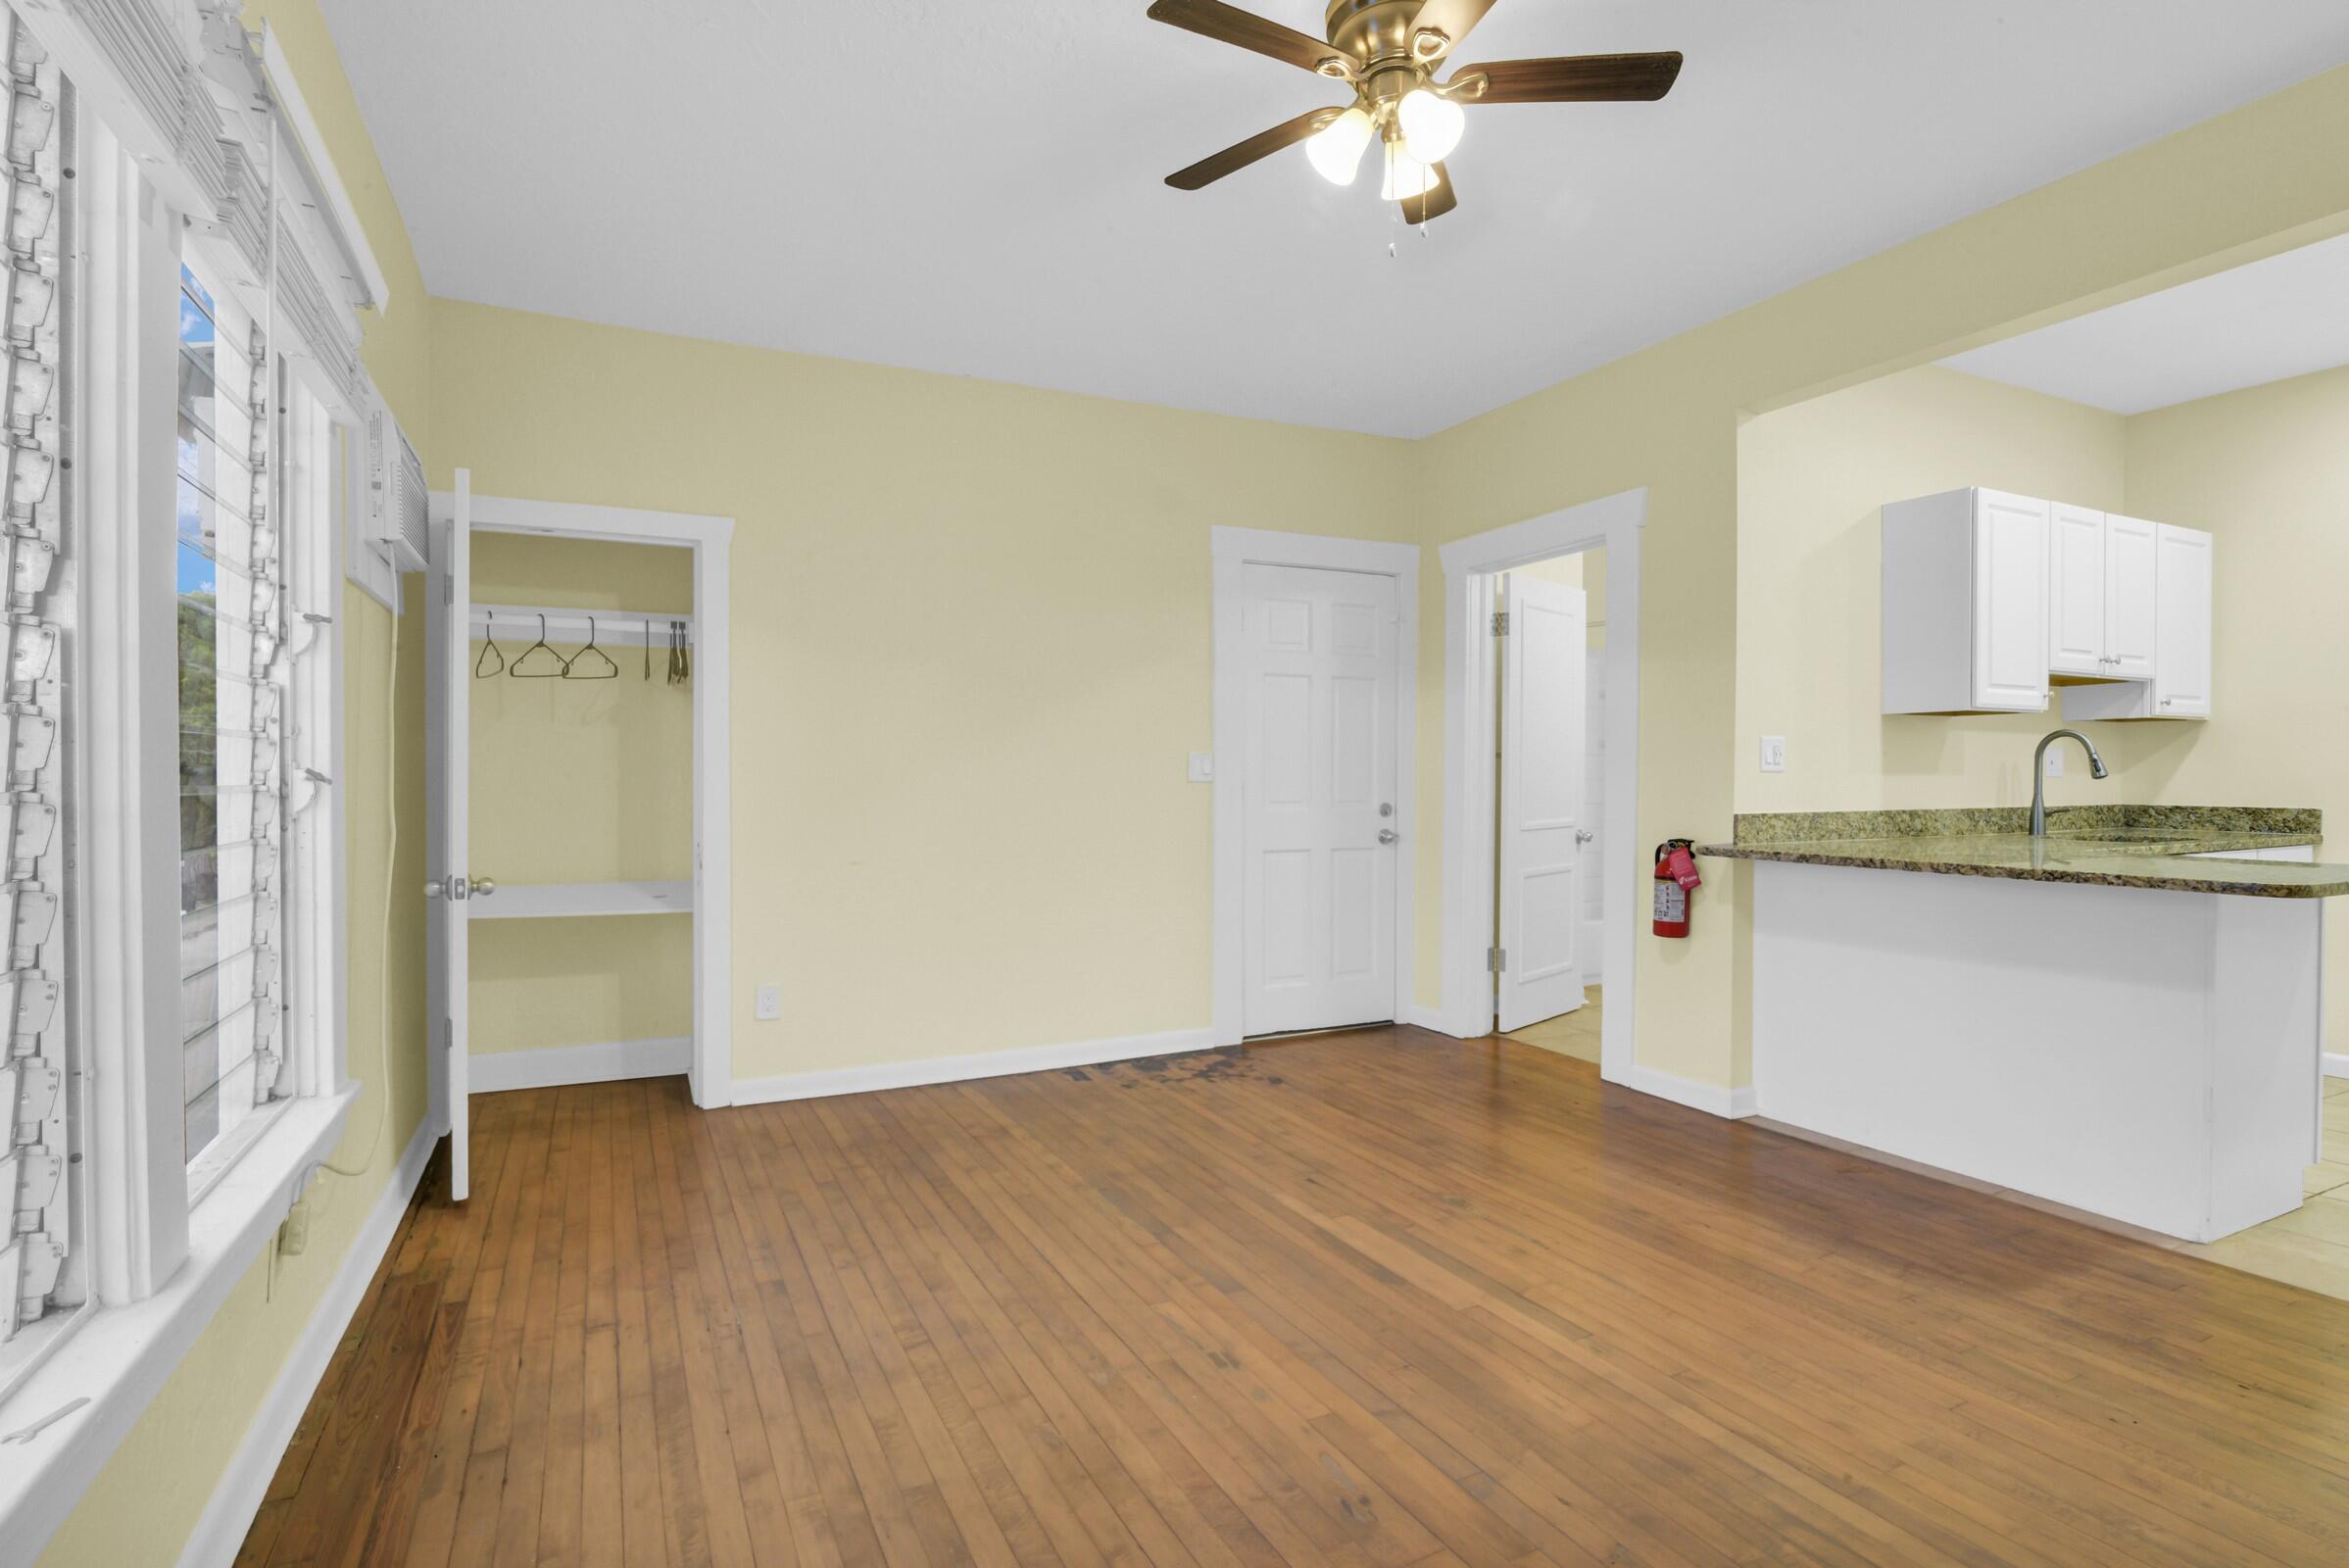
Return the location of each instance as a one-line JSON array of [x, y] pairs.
[[1470, 671], [711, 1074]]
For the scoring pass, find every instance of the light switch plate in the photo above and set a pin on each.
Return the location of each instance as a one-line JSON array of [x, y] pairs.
[[1202, 767], [1774, 753], [2055, 761], [770, 1003]]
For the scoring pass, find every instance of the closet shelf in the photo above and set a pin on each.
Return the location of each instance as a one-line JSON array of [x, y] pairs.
[[622, 628], [556, 899]]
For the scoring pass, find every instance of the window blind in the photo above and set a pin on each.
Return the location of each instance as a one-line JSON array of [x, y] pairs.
[[39, 1189], [231, 711]]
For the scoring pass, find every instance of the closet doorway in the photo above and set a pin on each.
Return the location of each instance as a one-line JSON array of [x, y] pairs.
[[577, 773]]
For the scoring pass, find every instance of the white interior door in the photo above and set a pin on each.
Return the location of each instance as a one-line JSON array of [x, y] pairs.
[[1318, 785], [1541, 826], [448, 696]]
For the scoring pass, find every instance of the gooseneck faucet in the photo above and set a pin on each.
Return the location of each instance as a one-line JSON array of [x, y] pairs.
[[2039, 775]]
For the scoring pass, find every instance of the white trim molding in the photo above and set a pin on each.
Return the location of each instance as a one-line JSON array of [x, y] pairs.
[[607, 1061], [1470, 671], [104, 1377], [2336, 1064], [237, 1497], [1232, 550], [962, 1069], [1733, 1103], [711, 1067]]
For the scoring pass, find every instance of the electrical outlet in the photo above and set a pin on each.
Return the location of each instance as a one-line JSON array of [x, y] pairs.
[[1202, 767], [293, 1240], [1774, 753], [2055, 761], [770, 1003]]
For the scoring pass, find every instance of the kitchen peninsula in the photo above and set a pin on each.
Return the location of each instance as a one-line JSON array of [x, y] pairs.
[[2124, 1015]]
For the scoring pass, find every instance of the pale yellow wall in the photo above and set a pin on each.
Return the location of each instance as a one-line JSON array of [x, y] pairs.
[[1811, 479], [147, 1499], [2267, 471], [580, 781], [2259, 179], [970, 653]]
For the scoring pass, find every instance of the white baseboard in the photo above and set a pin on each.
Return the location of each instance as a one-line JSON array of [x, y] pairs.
[[958, 1070], [2336, 1064], [236, 1499], [1712, 1098], [495, 1071], [1419, 1016]]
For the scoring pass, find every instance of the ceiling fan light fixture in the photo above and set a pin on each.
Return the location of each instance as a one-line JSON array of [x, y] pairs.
[[1337, 148], [1407, 176], [1431, 125]]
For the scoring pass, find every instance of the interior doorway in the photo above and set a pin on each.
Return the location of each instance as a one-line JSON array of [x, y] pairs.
[[542, 843], [1570, 910], [1549, 797]]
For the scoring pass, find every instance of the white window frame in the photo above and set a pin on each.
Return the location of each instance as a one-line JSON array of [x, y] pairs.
[[159, 1265]]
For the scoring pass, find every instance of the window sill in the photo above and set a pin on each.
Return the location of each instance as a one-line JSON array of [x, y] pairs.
[[119, 1357]]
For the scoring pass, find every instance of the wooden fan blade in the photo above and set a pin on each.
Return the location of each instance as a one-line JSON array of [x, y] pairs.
[[1439, 200], [1263, 144], [1575, 79], [1450, 17], [1211, 19]]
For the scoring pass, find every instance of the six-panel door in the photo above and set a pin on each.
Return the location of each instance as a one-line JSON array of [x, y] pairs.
[[1319, 786]]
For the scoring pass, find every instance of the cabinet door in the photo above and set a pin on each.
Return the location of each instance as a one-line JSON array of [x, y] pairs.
[[2181, 669], [2010, 603], [2076, 592], [2132, 598]]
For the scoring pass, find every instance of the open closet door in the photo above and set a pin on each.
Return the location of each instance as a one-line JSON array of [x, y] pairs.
[[1541, 828], [448, 894]]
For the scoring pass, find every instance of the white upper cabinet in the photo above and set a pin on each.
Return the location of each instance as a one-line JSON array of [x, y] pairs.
[[1964, 604], [2100, 595], [2174, 682], [2076, 592], [2181, 675], [2131, 615]]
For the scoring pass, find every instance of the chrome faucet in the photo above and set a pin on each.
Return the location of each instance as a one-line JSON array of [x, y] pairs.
[[2039, 775]]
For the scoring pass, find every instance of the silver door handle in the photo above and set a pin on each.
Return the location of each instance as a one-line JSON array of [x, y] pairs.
[[1387, 835], [457, 887], [1582, 835]]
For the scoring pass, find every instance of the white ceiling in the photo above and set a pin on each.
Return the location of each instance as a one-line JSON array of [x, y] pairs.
[[976, 188], [2286, 315]]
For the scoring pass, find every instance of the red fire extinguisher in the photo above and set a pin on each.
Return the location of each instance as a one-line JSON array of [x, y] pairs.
[[1676, 879]]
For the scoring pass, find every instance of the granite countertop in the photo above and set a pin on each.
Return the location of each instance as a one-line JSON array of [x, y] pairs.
[[2107, 846]]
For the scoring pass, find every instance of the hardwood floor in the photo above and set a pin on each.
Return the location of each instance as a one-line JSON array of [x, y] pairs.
[[1375, 1298]]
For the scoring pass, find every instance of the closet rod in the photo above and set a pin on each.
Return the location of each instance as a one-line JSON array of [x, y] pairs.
[[625, 628]]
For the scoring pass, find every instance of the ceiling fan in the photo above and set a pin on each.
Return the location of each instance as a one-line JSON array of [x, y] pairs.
[[1389, 52]]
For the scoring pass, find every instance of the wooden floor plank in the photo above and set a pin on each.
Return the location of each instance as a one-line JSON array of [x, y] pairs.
[[1375, 1299]]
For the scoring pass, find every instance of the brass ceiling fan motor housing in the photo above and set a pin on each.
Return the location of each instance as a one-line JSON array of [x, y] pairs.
[[1388, 49]]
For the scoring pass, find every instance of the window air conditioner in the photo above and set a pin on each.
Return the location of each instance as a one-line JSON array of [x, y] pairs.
[[399, 507]]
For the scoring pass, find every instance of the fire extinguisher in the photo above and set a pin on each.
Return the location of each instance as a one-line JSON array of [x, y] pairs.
[[1676, 879]]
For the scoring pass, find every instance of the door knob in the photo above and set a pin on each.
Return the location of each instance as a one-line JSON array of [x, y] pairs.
[[1387, 835], [484, 886], [1582, 835], [456, 888]]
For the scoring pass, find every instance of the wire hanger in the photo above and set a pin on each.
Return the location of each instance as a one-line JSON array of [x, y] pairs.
[[489, 652], [680, 655], [516, 670], [609, 672]]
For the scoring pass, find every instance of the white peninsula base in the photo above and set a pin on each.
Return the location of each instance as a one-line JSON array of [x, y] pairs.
[[2141, 1053]]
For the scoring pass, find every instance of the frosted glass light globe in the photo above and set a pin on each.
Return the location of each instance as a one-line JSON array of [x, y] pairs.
[[1431, 125], [1337, 148], [1406, 177]]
